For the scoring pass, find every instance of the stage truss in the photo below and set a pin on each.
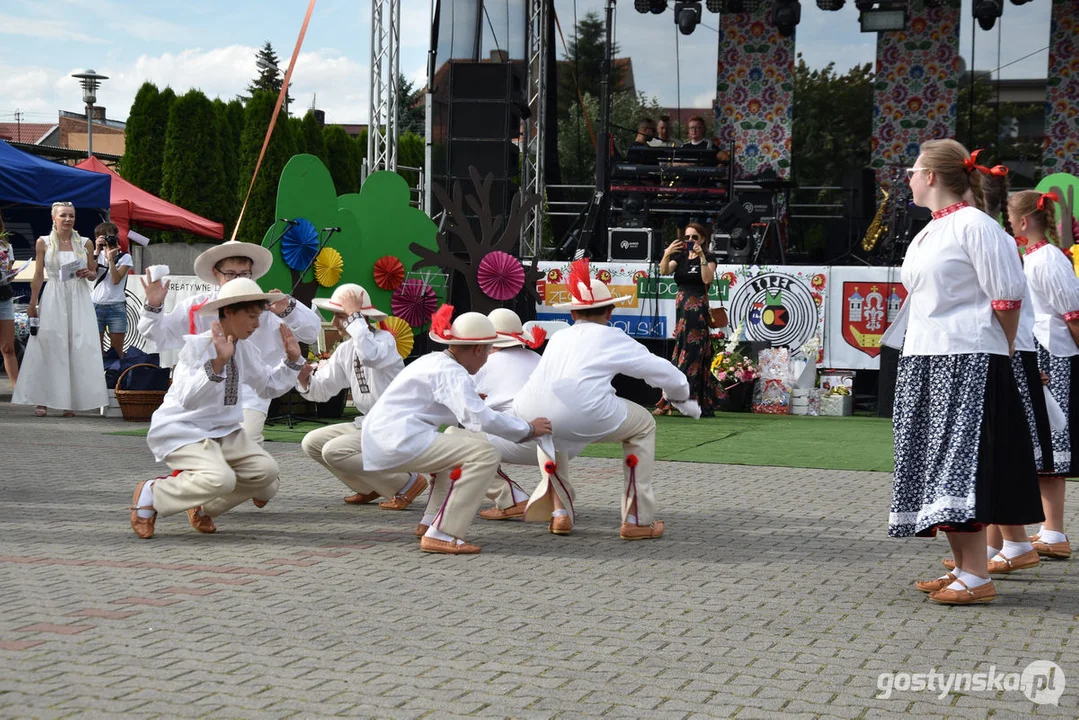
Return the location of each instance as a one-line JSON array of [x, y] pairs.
[[533, 137], [385, 70]]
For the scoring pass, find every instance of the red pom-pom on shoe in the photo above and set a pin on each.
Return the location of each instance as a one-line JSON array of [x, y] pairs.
[[631, 461], [455, 474], [549, 467]]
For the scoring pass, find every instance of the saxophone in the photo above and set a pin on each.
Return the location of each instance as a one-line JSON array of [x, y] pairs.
[[877, 228]]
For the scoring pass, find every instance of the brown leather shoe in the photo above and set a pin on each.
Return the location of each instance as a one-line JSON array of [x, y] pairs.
[[420, 530], [202, 523], [965, 596], [1006, 565], [512, 512], [259, 503], [641, 532], [561, 525], [362, 498], [143, 527], [401, 501], [931, 586], [448, 547], [1061, 550], [948, 563]]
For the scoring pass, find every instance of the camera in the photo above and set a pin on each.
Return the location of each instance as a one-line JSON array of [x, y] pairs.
[[112, 241]]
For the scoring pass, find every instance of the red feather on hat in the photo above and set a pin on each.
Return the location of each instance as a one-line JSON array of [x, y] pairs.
[[441, 321], [538, 336], [579, 273]]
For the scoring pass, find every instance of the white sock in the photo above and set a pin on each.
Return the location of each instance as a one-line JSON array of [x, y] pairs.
[[428, 519], [1051, 536], [408, 486], [560, 513], [1015, 549], [436, 534], [146, 499], [970, 580], [991, 552], [631, 519], [519, 495]]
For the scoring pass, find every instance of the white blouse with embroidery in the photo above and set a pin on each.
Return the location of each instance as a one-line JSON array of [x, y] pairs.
[[1054, 293], [367, 363]]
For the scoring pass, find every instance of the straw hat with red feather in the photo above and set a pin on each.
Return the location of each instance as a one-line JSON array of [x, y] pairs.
[[470, 328], [587, 292], [511, 331]]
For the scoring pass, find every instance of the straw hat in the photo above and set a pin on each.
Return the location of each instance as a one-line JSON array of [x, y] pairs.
[[261, 259], [239, 290], [508, 326], [470, 328], [333, 303], [587, 292]]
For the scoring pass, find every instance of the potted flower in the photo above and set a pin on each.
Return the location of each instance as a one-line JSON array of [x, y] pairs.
[[736, 373]]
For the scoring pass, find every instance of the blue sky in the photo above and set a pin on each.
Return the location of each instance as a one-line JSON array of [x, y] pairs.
[[210, 44]]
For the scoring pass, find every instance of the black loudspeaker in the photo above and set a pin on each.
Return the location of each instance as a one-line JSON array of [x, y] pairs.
[[860, 193], [629, 244], [487, 156]]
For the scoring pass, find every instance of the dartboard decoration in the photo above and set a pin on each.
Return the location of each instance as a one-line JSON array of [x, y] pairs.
[[776, 308]]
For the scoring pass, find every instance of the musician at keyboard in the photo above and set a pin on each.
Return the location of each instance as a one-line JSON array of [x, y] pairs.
[[698, 134]]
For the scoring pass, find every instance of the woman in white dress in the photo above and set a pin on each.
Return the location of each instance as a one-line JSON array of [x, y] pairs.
[[62, 365]]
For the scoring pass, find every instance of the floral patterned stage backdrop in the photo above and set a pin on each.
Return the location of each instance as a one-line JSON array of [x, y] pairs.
[[1062, 96], [917, 83], [755, 92]]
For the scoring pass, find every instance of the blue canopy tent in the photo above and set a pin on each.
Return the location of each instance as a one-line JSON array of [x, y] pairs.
[[29, 180]]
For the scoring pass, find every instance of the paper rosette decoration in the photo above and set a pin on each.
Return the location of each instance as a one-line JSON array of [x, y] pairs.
[[389, 272], [299, 245], [414, 301], [328, 267], [402, 334], [500, 275]]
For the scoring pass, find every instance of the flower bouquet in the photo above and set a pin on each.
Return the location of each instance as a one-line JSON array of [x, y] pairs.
[[735, 373]]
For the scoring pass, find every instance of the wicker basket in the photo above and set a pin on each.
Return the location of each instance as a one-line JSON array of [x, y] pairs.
[[138, 405]]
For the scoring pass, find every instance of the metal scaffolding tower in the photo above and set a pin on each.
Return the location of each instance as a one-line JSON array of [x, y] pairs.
[[533, 138], [385, 69]]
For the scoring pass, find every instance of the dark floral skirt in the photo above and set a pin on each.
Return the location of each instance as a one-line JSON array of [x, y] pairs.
[[1063, 375], [693, 351], [1029, 381]]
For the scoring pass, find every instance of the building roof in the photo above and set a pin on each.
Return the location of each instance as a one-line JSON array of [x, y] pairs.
[[32, 133]]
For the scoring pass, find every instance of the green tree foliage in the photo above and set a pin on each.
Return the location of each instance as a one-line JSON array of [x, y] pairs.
[[357, 150], [410, 153], [228, 143], [193, 173], [260, 207], [577, 153], [991, 125], [584, 58], [144, 137], [346, 175], [832, 122], [410, 107], [270, 76], [313, 141]]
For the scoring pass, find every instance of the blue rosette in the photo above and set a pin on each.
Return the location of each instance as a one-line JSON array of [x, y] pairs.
[[299, 245]]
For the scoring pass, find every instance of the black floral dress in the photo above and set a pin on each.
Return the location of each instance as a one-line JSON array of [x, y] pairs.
[[693, 350]]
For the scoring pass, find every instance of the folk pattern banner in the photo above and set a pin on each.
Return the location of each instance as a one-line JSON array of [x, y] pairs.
[[755, 92], [1062, 93], [917, 83]]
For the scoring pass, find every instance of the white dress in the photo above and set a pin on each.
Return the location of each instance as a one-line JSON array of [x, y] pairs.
[[62, 367]]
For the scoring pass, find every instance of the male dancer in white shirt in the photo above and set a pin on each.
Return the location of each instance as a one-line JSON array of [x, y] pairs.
[[216, 266], [572, 386], [400, 434], [366, 362], [198, 430]]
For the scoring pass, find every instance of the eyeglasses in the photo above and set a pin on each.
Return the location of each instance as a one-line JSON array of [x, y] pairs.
[[911, 171], [228, 274]]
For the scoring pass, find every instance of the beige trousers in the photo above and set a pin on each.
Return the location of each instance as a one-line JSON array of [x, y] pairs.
[[217, 474], [454, 502], [344, 458], [253, 424], [500, 489], [637, 433], [340, 442]]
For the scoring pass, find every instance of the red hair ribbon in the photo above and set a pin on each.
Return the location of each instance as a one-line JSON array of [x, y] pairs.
[[971, 164], [1042, 205]]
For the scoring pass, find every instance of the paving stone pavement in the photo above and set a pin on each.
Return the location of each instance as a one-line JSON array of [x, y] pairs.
[[775, 592]]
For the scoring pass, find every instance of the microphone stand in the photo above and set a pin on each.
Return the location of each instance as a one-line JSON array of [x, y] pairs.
[[288, 224]]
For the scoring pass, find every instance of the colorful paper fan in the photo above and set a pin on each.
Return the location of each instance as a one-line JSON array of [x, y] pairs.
[[500, 275], [328, 267], [299, 245], [414, 302], [389, 272], [402, 334]]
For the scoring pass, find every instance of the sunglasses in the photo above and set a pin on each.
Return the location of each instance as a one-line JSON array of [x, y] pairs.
[[691, 237]]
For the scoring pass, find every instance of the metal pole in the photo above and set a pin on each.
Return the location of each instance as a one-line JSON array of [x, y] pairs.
[[603, 141], [89, 130]]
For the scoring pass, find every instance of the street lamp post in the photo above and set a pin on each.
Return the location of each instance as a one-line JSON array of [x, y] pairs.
[[90, 82]]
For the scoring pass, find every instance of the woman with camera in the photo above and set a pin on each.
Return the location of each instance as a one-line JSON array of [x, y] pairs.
[[7, 308], [62, 365], [693, 268], [108, 294]]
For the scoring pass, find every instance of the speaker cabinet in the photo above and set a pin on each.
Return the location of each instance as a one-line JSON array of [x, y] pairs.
[[860, 193], [629, 244]]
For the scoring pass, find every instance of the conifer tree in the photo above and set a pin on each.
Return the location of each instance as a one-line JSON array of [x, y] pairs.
[[339, 153], [144, 137], [263, 200], [193, 172]]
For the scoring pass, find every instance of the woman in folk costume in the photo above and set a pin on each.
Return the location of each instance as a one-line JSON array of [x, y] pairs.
[[400, 433], [217, 266], [963, 452], [198, 430], [62, 365], [367, 361], [1054, 290], [572, 386]]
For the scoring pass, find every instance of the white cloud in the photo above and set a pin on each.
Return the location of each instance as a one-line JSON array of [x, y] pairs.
[[46, 29]]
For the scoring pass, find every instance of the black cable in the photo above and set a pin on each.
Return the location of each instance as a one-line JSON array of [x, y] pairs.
[[577, 85], [494, 36], [973, 73], [678, 79], [996, 141]]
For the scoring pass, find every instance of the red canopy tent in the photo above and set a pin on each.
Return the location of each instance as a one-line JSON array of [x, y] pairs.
[[132, 204]]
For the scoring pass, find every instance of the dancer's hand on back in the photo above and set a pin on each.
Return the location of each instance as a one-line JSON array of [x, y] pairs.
[[541, 426]]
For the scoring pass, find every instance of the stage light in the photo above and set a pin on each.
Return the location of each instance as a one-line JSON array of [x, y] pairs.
[[658, 6], [686, 16], [714, 6], [863, 5], [641, 6], [889, 17], [785, 16], [1020, 2], [735, 7], [831, 5], [986, 12], [655, 7]]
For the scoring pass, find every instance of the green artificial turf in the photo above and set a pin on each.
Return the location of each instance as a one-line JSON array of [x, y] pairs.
[[832, 443]]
